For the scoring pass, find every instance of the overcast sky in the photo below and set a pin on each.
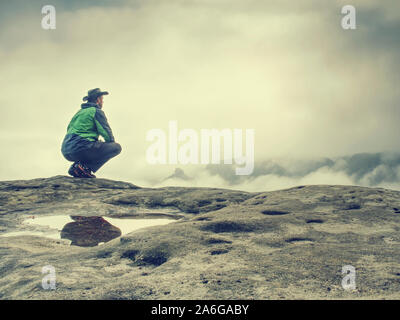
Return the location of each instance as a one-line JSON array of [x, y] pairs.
[[323, 101]]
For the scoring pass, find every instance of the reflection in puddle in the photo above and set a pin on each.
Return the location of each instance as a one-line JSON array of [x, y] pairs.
[[89, 231], [86, 231]]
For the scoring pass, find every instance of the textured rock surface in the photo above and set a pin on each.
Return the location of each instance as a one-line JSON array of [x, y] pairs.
[[285, 244]]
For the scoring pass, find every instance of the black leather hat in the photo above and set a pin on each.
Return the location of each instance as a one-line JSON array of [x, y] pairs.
[[94, 94]]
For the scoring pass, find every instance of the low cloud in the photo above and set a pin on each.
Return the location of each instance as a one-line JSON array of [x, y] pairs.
[[283, 68], [364, 169]]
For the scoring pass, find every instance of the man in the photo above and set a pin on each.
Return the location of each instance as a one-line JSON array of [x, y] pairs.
[[81, 144]]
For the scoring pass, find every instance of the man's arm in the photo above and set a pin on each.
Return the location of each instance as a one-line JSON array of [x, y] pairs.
[[103, 128]]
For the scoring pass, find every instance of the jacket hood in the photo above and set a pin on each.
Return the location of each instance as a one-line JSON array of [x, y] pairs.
[[89, 105]]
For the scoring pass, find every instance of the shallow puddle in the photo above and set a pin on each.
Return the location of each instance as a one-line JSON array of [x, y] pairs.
[[84, 231]]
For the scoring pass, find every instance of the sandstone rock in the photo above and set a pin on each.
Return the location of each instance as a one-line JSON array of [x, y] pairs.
[[225, 244]]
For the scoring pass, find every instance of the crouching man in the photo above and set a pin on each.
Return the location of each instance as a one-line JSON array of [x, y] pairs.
[[81, 144]]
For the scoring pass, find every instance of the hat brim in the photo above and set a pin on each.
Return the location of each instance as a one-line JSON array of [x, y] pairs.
[[99, 94]]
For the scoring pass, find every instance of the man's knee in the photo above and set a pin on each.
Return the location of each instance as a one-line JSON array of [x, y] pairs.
[[117, 148]]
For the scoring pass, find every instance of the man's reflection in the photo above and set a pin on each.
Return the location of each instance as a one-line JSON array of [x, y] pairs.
[[89, 231]]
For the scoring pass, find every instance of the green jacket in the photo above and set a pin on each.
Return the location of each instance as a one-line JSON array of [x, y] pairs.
[[85, 128]]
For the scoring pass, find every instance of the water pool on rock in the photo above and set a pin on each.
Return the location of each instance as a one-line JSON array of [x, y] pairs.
[[84, 231]]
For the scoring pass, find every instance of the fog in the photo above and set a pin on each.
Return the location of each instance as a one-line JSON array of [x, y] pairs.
[[316, 95]]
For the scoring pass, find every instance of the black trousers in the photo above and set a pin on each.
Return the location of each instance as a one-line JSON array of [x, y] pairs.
[[96, 156]]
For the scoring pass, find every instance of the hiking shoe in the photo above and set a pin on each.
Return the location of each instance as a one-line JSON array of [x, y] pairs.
[[84, 171], [73, 171], [79, 170]]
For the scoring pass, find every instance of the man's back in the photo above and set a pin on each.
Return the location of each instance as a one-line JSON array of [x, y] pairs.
[[85, 127]]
